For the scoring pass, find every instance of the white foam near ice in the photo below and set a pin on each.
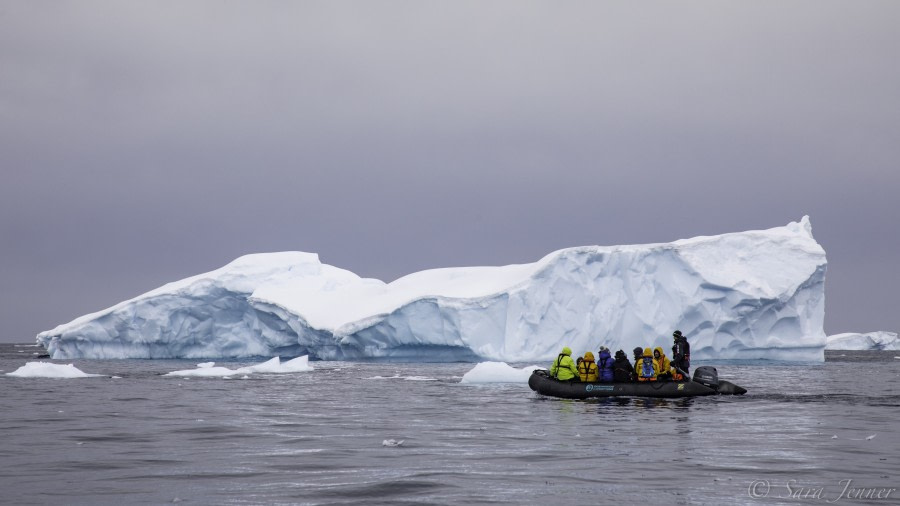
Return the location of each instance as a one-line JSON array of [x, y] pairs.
[[50, 370], [747, 295]]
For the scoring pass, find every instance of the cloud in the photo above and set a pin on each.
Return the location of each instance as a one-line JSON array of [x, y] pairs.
[[145, 142]]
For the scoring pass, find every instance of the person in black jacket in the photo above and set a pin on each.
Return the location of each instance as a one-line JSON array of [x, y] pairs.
[[681, 353], [623, 371]]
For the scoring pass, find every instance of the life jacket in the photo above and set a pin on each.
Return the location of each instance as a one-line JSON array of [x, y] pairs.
[[587, 370], [647, 368], [558, 361]]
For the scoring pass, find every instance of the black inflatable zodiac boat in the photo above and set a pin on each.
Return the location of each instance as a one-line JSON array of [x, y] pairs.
[[705, 382]]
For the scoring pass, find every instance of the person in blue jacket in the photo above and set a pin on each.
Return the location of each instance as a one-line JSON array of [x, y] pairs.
[[605, 365]]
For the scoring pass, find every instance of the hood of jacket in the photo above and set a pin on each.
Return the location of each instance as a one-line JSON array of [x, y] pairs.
[[604, 354], [566, 351], [588, 357], [662, 354], [648, 353]]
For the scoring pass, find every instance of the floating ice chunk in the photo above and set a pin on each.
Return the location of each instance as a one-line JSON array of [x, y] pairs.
[[48, 370], [869, 438], [881, 340], [274, 366], [498, 372], [203, 372], [834, 436], [392, 442], [271, 366]]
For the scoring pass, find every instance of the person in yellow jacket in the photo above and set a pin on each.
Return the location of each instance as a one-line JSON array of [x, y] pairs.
[[563, 367], [664, 366], [646, 369], [587, 369]]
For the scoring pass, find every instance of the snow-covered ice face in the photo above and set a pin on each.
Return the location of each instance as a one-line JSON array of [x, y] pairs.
[[748, 295]]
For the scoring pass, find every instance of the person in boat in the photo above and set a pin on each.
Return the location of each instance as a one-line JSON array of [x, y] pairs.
[[638, 355], [605, 365], [563, 367], [587, 368], [681, 355], [623, 372], [663, 363], [646, 369]]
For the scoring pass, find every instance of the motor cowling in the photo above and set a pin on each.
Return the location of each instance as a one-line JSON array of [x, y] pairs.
[[708, 376]]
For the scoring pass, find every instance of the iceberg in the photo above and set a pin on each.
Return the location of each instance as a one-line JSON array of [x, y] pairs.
[[746, 295], [869, 341]]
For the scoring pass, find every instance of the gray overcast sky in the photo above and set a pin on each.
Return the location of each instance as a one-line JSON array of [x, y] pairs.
[[144, 142]]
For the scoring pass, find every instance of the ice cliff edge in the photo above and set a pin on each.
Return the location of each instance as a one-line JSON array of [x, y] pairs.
[[756, 294]]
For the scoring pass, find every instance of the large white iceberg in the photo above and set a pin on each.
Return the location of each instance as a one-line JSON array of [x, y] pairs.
[[757, 294], [869, 341]]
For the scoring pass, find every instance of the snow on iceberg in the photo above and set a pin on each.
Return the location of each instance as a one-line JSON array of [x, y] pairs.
[[498, 372], [757, 294], [48, 370], [869, 341]]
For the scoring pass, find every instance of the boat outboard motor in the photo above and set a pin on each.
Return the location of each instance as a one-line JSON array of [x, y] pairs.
[[707, 376]]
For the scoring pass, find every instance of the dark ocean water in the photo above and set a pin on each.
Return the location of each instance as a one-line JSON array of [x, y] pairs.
[[137, 437]]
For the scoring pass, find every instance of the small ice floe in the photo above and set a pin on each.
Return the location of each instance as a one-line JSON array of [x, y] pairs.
[[869, 438], [834, 436], [47, 370], [498, 372], [392, 442], [272, 366], [203, 372]]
